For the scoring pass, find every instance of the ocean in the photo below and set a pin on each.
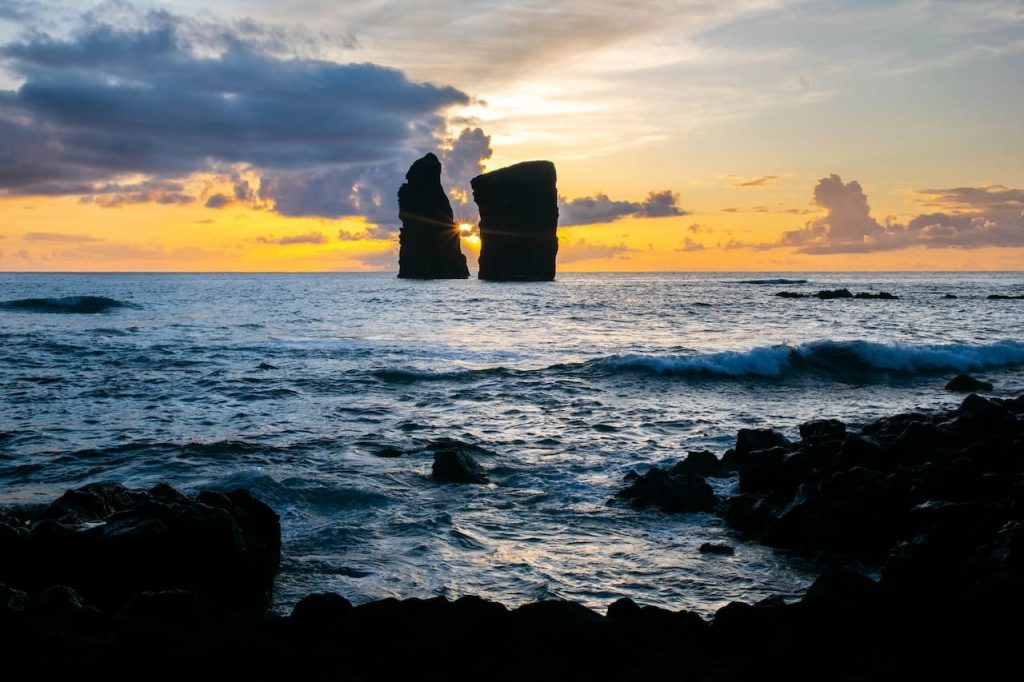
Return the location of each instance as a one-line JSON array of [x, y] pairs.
[[294, 385]]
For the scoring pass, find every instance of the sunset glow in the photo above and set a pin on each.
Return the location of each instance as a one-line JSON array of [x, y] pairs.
[[716, 139]]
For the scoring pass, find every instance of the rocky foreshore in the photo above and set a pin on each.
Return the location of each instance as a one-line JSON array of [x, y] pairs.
[[156, 584]]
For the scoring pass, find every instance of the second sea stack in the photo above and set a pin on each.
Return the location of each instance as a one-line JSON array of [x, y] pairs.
[[518, 222], [429, 238]]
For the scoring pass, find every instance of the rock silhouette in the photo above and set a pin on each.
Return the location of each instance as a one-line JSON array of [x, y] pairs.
[[429, 237], [518, 222]]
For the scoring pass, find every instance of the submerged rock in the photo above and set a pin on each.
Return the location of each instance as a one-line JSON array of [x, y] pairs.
[[429, 238], [717, 548], [965, 383], [453, 465], [882, 295], [1004, 297], [518, 222]]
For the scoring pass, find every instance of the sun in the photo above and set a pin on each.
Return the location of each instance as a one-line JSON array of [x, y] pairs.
[[465, 229]]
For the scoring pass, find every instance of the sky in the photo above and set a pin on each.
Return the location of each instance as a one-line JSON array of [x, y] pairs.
[[259, 135]]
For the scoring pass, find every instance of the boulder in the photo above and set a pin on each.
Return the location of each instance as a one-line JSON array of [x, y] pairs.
[[882, 295], [1004, 297], [701, 463], [965, 383], [429, 237], [819, 428], [670, 492], [518, 222]]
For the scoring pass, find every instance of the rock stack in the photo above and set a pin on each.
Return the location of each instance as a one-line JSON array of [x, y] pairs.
[[518, 222], [429, 237]]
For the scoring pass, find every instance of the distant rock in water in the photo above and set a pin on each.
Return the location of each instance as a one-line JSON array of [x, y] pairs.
[[949, 296], [429, 238], [1004, 297], [881, 295], [83, 305], [965, 383], [828, 294], [518, 222], [717, 548], [834, 293]]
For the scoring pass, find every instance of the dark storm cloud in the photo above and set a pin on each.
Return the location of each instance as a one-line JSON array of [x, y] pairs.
[[219, 201], [973, 217], [600, 208], [161, 96]]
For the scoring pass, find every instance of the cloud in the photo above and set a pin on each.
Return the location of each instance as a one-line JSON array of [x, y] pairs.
[[688, 245], [219, 201], [59, 237], [308, 238], [602, 209], [571, 252], [757, 182], [973, 217], [462, 159], [159, 96]]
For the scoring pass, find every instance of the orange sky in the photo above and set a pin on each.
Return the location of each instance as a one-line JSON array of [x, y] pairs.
[[789, 135]]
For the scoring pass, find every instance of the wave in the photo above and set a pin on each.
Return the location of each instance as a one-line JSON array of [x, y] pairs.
[[85, 305], [769, 281], [835, 358], [831, 360]]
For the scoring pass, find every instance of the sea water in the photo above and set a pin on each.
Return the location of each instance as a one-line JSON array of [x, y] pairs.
[[293, 385]]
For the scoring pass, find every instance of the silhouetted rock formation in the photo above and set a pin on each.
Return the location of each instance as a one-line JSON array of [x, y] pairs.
[[1004, 297], [429, 237], [518, 222]]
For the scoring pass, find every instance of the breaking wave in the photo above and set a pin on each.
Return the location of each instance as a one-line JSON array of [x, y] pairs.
[[843, 358]]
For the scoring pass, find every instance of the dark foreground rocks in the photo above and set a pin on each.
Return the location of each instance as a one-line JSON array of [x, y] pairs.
[[935, 502], [518, 222], [61, 617], [453, 464], [429, 237], [847, 627], [110, 544]]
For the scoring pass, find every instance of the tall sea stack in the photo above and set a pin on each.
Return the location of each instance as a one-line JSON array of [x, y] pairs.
[[518, 222], [429, 238]]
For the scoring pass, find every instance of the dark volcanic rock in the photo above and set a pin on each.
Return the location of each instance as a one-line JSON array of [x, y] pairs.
[[454, 465], [110, 543], [429, 238], [702, 463], [965, 383], [1004, 297], [518, 222], [675, 493], [882, 295], [821, 428], [834, 293], [949, 296], [790, 294]]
